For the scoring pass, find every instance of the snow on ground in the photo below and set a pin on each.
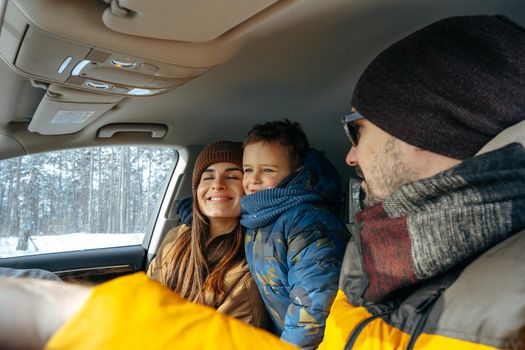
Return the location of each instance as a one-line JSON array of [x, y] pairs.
[[68, 242]]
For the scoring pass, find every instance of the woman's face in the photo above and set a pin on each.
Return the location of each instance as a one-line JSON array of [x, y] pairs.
[[220, 191]]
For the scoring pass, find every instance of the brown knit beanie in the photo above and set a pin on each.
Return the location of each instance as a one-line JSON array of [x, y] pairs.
[[450, 87], [217, 152]]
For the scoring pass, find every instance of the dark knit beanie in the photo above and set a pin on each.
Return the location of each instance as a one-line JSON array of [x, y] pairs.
[[217, 152], [450, 87]]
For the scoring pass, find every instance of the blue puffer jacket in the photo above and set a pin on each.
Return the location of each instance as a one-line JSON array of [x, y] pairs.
[[294, 247]]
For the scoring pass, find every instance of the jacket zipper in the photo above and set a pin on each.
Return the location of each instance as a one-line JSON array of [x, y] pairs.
[[353, 337], [424, 308]]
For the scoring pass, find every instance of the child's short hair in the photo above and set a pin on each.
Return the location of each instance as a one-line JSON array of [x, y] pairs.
[[285, 133]]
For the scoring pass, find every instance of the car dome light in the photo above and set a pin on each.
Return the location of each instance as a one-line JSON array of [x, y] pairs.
[[142, 92], [64, 64], [78, 68]]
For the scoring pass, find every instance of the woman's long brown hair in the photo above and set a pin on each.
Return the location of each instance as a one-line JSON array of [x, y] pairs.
[[200, 266]]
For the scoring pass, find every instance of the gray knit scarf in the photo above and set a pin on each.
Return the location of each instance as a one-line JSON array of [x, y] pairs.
[[433, 225]]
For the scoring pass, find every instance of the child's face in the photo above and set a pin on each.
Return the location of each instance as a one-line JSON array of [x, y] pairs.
[[264, 165]]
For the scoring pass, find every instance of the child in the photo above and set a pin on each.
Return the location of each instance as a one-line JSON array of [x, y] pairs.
[[294, 241]]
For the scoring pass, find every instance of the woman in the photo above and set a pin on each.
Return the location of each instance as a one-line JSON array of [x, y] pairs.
[[205, 263]]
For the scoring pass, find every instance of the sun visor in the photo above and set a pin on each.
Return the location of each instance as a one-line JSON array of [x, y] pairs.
[[66, 111], [180, 20]]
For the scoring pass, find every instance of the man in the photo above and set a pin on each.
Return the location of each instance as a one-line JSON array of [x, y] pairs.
[[438, 261]]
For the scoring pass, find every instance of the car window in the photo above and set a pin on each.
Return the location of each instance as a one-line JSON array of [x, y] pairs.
[[80, 199]]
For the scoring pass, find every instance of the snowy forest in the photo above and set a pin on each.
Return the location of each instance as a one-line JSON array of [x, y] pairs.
[[91, 190]]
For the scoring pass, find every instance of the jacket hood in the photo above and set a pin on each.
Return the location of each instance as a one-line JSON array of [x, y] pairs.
[[320, 176]]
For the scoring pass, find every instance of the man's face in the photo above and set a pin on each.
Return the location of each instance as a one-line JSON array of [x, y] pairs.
[[381, 161], [264, 165]]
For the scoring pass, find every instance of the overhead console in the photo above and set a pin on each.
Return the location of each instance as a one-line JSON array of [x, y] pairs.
[[127, 48], [47, 58], [89, 55]]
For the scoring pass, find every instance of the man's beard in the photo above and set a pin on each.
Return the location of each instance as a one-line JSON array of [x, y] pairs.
[[387, 173]]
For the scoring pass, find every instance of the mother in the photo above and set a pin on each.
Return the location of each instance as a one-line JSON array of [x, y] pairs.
[[205, 263]]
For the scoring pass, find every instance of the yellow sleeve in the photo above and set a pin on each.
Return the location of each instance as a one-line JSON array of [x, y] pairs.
[[134, 312]]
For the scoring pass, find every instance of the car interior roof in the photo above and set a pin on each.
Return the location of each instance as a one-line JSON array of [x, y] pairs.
[[296, 59]]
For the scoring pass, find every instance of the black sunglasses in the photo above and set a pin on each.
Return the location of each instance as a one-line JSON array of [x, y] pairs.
[[352, 130]]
